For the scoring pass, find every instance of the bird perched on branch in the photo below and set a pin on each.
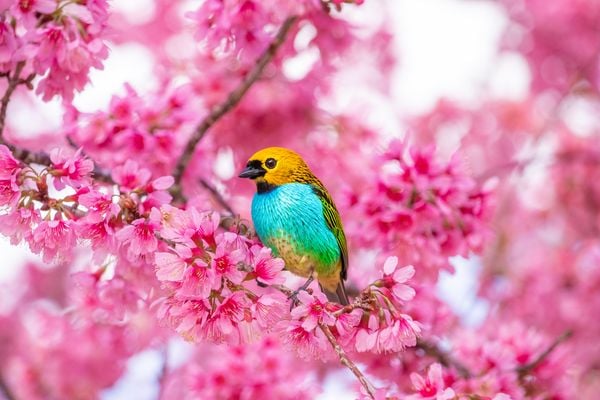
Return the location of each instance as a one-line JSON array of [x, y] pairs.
[[294, 215]]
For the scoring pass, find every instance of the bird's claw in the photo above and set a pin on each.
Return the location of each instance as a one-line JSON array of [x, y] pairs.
[[294, 299], [294, 295]]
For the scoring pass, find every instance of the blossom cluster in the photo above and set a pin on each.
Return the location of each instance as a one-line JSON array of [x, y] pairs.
[[374, 322], [559, 42], [57, 40], [502, 363], [43, 362], [423, 210], [222, 288], [246, 27], [214, 279], [53, 208], [265, 369], [152, 126]]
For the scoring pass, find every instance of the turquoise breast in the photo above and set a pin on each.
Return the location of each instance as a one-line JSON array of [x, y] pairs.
[[289, 219]]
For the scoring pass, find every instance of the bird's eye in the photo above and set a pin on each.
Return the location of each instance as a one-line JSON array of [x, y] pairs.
[[271, 163]]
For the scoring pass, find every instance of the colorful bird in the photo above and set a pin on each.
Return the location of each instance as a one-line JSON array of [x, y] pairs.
[[294, 215]]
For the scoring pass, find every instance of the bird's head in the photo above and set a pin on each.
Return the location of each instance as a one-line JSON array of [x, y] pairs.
[[275, 166]]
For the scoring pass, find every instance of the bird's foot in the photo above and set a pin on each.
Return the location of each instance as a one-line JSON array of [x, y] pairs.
[[294, 295]]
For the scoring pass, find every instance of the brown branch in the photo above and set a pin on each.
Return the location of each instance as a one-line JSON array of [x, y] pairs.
[[527, 368], [443, 357], [28, 157], [346, 361], [230, 102], [13, 82], [164, 371], [41, 158], [24, 155], [5, 390], [217, 196]]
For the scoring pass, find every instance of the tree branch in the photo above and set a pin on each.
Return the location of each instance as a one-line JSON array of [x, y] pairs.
[[5, 390], [24, 155], [443, 357], [527, 368], [346, 361], [217, 196], [230, 102], [164, 371], [41, 158], [13, 82]]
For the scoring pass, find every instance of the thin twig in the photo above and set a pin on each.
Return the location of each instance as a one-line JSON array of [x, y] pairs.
[[443, 357], [527, 368], [24, 155], [5, 390], [217, 196], [230, 102], [347, 361], [13, 82], [164, 371]]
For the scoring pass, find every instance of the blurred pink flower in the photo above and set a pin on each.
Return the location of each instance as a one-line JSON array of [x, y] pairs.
[[53, 238]]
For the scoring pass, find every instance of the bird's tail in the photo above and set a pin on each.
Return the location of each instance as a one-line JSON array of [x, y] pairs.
[[341, 293], [339, 296]]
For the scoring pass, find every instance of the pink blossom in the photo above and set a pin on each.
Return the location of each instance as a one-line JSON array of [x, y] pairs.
[[395, 278], [26, 10], [225, 263], [8, 165], [139, 237], [199, 280], [347, 324], [67, 47], [224, 323], [101, 235], [425, 210], [313, 310], [18, 224], [267, 269], [308, 344], [184, 315], [401, 332], [366, 336], [169, 266], [8, 46], [54, 239], [107, 300], [189, 226], [9, 192], [264, 369], [270, 310], [386, 332], [72, 170], [432, 386], [98, 204], [130, 176]]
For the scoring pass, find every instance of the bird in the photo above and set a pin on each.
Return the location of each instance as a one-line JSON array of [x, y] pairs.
[[295, 216]]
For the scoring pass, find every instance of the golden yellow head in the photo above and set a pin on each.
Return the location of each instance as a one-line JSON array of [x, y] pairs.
[[276, 166]]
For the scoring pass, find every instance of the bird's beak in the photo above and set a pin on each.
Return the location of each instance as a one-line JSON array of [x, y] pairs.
[[252, 172]]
